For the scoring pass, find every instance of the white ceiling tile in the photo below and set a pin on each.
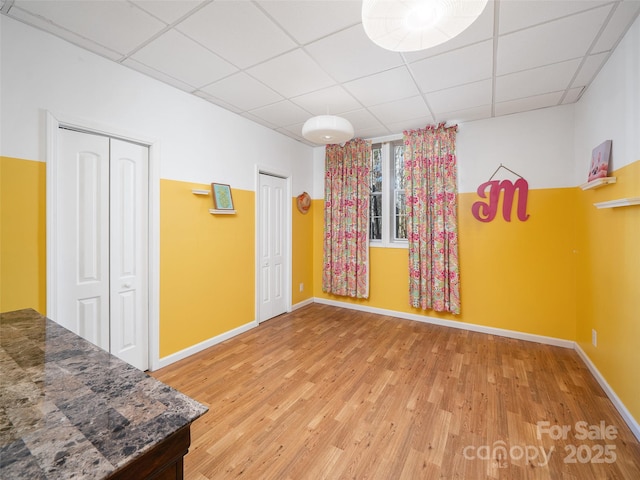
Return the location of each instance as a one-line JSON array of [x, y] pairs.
[[168, 10], [180, 57], [529, 103], [481, 29], [292, 74], [551, 42], [71, 37], [624, 15], [461, 97], [237, 31], [310, 20], [119, 26], [465, 115], [281, 114], [461, 66], [243, 91], [590, 68], [334, 100], [362, 119], [350, 54], [573, 95], [400, 110], [142, 68], [551, 78], [383, 87], [373, 132], [519, 14]]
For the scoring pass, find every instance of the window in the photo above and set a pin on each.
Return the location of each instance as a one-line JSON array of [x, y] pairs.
[[388, 214]]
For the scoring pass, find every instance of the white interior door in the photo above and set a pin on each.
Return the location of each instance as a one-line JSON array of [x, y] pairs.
[[83, 235], [129, 298], [272, 249], [102, 242]]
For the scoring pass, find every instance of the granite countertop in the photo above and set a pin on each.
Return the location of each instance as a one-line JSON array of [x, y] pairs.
[[69, 410]]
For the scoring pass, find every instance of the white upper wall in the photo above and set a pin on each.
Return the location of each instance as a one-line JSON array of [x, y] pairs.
[[199, 142], [537, 145], [610, 108]]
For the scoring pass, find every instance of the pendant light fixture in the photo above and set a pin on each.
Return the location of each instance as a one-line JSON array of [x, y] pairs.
[[326, 129], [410, 25]]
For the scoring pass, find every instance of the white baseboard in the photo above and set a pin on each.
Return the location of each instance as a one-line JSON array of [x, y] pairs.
[[626, 415], [174, 357], [304, 303], [558, 342]]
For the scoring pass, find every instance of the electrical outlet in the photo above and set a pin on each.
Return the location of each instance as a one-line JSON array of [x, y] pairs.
[[302, 287], [594, 337]]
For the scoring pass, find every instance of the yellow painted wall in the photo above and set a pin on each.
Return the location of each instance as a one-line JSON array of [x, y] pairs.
[[301, 254], [514, 275], [207, 279], [608, 284], [22, 235]]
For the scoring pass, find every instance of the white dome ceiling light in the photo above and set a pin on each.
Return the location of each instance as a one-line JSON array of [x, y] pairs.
[[411, 25], [326, 129]]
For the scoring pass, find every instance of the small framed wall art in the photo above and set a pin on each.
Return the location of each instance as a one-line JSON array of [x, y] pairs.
[[222, 199], [600, 161]]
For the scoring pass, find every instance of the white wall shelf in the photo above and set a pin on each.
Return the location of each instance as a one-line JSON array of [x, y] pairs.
[[598, 182], [197, 191], [620, 202], [213, 211]]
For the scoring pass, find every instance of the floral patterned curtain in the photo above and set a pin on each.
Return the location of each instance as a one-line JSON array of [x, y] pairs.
[[346, 219], [432, 225]]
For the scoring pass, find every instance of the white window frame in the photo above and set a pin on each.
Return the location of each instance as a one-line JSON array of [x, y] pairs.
[[388, 197]]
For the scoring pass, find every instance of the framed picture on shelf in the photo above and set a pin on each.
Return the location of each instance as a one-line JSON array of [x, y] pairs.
[[600, 161], [222, 199]]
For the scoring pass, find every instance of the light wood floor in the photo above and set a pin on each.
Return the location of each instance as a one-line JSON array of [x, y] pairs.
[[329, 393]]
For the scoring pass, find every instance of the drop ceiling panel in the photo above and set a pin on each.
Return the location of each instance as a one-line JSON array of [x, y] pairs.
[[465, 115], [118, 26], [589, 69], [401, 110], [65, 34], [243, 91], [552, 42], [461, 66], [168, 10], [551, 78], [622, 18], [529, 103], [519, 14], [281, 114], [458, 98], [178, 56], [349, 54], [333, 100], [383, 87], [292, 74], [237, 31], [311, 20]]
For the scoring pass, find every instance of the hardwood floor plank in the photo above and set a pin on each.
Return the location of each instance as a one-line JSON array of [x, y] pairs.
[[329, 393]]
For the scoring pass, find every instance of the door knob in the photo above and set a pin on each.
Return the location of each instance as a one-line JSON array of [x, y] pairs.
[[126, 285]]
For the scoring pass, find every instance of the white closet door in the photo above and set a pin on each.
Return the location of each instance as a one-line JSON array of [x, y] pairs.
[[272, 246], [83, 235], [129, 253], [102, 243]]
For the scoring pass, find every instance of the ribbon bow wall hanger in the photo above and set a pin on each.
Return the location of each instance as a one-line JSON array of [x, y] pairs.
[[486, 212]]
